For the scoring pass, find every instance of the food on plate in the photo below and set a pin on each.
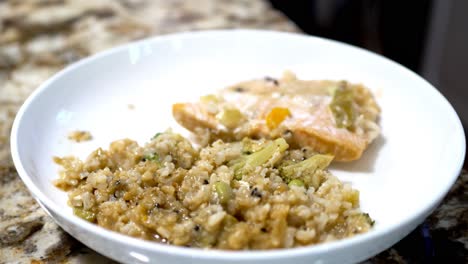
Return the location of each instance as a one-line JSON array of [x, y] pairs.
[[332, 117], [237, 195], [258, 180], [80, 136]]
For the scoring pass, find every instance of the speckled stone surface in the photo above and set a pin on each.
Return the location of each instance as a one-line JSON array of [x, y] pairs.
[[39, 37]]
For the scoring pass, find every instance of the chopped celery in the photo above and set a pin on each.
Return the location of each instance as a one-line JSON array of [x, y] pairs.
[[260, 157], [296, 182], [249, 146], [156, 135], [151, 157], [84, 214], [306, 170], [342, 106], [224, 192], [316, 162]]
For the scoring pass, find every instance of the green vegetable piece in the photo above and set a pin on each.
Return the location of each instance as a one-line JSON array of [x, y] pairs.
[[308, 166], [84, 214], [157, 135], [224, 192], [229, 220], [296, 182], [249, 147], [342, 106], [151, 157], [260, 157], [368, 219]]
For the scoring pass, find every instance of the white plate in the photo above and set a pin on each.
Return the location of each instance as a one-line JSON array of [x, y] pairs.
[[401, 178]]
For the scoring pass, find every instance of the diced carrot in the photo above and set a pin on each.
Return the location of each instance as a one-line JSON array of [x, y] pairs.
[[276, 116]]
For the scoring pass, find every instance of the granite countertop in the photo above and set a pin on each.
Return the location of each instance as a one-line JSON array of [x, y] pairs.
[[40, 37]]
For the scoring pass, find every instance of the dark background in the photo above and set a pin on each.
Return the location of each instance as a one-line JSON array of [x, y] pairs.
[[429, 37], [391, 28]]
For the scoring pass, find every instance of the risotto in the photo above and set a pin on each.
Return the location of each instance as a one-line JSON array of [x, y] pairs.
[[248, 194]]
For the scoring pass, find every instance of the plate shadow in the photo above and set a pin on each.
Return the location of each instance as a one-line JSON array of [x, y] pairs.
[[366, 162]]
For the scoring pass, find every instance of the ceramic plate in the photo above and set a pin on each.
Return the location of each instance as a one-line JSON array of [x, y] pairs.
[[401, 178]]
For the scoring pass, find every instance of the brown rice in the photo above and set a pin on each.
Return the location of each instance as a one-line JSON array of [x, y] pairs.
[[170, 192]]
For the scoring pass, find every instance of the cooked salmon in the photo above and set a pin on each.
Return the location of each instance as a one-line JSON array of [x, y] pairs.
[[332, 117]]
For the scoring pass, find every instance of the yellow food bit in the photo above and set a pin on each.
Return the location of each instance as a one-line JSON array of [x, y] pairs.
[[276, 116], [210, 98], [84, 214], [79, 136], [230, 117]]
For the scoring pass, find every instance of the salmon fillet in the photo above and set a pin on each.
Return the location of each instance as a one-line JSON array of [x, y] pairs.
[[331, 117]]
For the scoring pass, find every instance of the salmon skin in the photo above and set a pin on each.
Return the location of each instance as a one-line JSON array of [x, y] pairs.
[[331, 117]]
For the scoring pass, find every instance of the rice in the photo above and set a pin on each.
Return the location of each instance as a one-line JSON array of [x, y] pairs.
[[170, 192], [79, 136]]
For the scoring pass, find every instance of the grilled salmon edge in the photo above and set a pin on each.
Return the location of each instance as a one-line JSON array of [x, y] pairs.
[[188, 119], [326, 145]]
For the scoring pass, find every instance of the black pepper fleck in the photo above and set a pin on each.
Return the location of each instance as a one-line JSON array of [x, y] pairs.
[[205, 182], [255, 192], [287, 133], [263, 229], [273, 80], [196, 228], [239, 89]]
